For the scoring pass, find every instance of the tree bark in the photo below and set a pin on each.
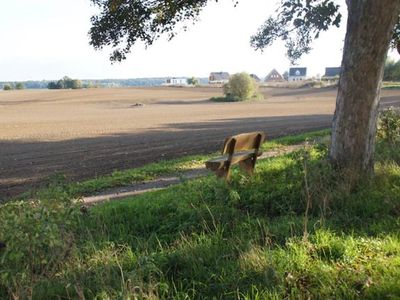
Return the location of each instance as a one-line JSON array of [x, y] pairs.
[[369, 30]]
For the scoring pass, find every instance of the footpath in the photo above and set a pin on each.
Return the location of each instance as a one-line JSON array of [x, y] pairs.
[[167, 181]]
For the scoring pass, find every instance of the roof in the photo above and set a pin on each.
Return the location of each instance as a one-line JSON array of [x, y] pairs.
[[219, 75], [255, 77], [274, 75], [298, 72], [332, 72]]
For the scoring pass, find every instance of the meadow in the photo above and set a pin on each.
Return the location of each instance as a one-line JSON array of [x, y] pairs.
[[298, 229]]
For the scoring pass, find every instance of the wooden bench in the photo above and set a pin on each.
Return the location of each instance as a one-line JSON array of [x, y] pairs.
[[242, 149]]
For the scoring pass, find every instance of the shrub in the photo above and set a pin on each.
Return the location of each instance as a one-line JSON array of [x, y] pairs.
[[241, 87], [37, 240], [389, 125], [192, 81], [65, 83], [7, 87], [19, 86]]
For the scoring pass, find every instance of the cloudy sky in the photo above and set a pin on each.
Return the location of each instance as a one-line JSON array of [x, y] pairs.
[[47, 39]]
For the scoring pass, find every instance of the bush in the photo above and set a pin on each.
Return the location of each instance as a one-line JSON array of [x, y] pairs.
[[7, 87], [192, 81], [389, 125], [37, 240], [241, 87], [19, 86], [392, 70], [65, 83]]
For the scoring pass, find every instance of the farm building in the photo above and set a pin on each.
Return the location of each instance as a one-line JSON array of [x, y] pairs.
[[218, 78], [274, 76], [176, 81], [255, 77], [331, 73], [297, 74]]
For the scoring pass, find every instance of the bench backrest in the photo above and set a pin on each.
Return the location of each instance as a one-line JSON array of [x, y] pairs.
[[243, 141]]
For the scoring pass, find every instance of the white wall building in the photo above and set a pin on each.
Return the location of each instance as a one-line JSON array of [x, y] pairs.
[[176, 81]]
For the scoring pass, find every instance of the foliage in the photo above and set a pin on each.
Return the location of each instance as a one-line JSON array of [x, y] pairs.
[[389, 125], [38, 237], [128, 21], [19, 86], [65, 83], [285, 75], [7, 87], [123, 23], [192, 81], [392, 70], [297, 23], [241, 87], [206, 239]]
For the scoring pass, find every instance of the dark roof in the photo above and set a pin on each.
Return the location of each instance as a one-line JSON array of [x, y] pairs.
[[332, 72], [297, 71], [274, 75], [219, 76], [255, 77]]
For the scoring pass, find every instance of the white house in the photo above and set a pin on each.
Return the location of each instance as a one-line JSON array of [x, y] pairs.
[[176, 81], [297, 74]]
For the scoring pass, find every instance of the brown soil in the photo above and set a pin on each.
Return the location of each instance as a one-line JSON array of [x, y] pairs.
[[85, 133]]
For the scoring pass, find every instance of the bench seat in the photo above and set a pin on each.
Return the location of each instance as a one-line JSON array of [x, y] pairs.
[[241, 149], [220, 162]]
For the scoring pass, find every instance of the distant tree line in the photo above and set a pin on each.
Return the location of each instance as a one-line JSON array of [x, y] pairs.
[[65, 83], [392, 70], [95, 83], [13, 86]]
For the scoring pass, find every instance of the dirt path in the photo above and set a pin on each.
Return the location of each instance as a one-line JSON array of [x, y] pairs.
[[167, 181], [94, 132]]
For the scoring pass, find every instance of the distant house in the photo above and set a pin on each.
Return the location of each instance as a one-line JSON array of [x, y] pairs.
[[255, 77], [297, 74], [218, 78], [331, 73], [176, 81], [274, 76]]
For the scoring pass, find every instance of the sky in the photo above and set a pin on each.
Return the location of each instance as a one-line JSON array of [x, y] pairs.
[[48, 39]]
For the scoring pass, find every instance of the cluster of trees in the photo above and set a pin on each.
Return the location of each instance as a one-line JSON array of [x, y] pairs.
[[392, 70], [65, 83], [13, 86]]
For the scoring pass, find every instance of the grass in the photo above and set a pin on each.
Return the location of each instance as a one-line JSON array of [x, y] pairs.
[[256, 97], [205, 239], [58, 185], [390, 85]]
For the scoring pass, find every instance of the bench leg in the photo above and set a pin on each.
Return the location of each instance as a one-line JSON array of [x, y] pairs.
[[224, 173], [248, 165]]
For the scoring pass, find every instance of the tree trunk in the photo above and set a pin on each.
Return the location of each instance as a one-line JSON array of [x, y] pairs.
[[369, 31]]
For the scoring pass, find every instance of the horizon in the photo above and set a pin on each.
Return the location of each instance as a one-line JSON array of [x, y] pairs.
[[41, 43]]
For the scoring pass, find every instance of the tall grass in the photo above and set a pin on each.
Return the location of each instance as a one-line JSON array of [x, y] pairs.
[[205, 239]]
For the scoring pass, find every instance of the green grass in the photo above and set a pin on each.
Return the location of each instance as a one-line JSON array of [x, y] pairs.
[[58, 186], [390, 85], [205, 239]]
